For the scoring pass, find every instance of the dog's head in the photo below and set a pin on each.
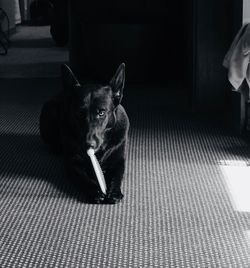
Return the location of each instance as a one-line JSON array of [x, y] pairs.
[[93, 106]]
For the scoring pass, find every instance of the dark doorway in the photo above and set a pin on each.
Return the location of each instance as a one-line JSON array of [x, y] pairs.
[[175, 44], [153, 39]]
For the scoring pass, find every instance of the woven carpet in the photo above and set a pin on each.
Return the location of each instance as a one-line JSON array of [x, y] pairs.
[[178, 210]]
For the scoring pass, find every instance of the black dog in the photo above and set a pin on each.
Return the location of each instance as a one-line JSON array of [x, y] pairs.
[[83, 116]]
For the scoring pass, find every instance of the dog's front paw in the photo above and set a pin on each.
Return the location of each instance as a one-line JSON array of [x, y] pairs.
[[113, 197], [96, 198]]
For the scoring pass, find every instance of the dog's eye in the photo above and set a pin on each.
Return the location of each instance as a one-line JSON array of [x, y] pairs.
[[101, 113]]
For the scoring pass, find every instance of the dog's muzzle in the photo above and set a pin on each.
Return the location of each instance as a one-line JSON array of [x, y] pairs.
[[94, 140]]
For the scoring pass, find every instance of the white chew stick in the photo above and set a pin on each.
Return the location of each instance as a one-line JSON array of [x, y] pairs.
[[98, 170]]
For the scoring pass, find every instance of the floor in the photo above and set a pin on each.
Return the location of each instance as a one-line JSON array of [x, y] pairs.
[[32, 53], [186, 189]]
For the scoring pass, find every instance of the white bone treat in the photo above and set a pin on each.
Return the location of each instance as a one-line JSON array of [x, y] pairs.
[[98, 170]]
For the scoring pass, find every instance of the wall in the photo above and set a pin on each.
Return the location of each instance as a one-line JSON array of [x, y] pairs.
[[9, 7], [216, 23], [246, 11], [151, 40], [24, 7]]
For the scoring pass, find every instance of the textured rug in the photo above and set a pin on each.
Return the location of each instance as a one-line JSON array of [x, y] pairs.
[[178, 210]]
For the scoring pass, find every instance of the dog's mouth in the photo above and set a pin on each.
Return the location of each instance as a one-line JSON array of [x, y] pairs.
[[94, 141], [94, 144]]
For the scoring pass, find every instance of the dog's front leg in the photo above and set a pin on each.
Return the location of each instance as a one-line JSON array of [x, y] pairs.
[[114, 172], [79, 172], [114, 177]]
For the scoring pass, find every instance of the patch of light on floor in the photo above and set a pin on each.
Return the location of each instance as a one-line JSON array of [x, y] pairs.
[[237, 177], [248, 237]]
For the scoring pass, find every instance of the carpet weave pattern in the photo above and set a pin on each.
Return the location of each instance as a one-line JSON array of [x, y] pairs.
[[177, 210]]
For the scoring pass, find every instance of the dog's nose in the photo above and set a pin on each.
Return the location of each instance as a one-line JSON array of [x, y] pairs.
[[92, 141], [92, 144]]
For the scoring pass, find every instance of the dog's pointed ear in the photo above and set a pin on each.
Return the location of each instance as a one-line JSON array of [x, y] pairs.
[[117, 84], [69, 80]]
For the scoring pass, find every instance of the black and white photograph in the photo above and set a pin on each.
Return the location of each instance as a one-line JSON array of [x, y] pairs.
[[124, 134]]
